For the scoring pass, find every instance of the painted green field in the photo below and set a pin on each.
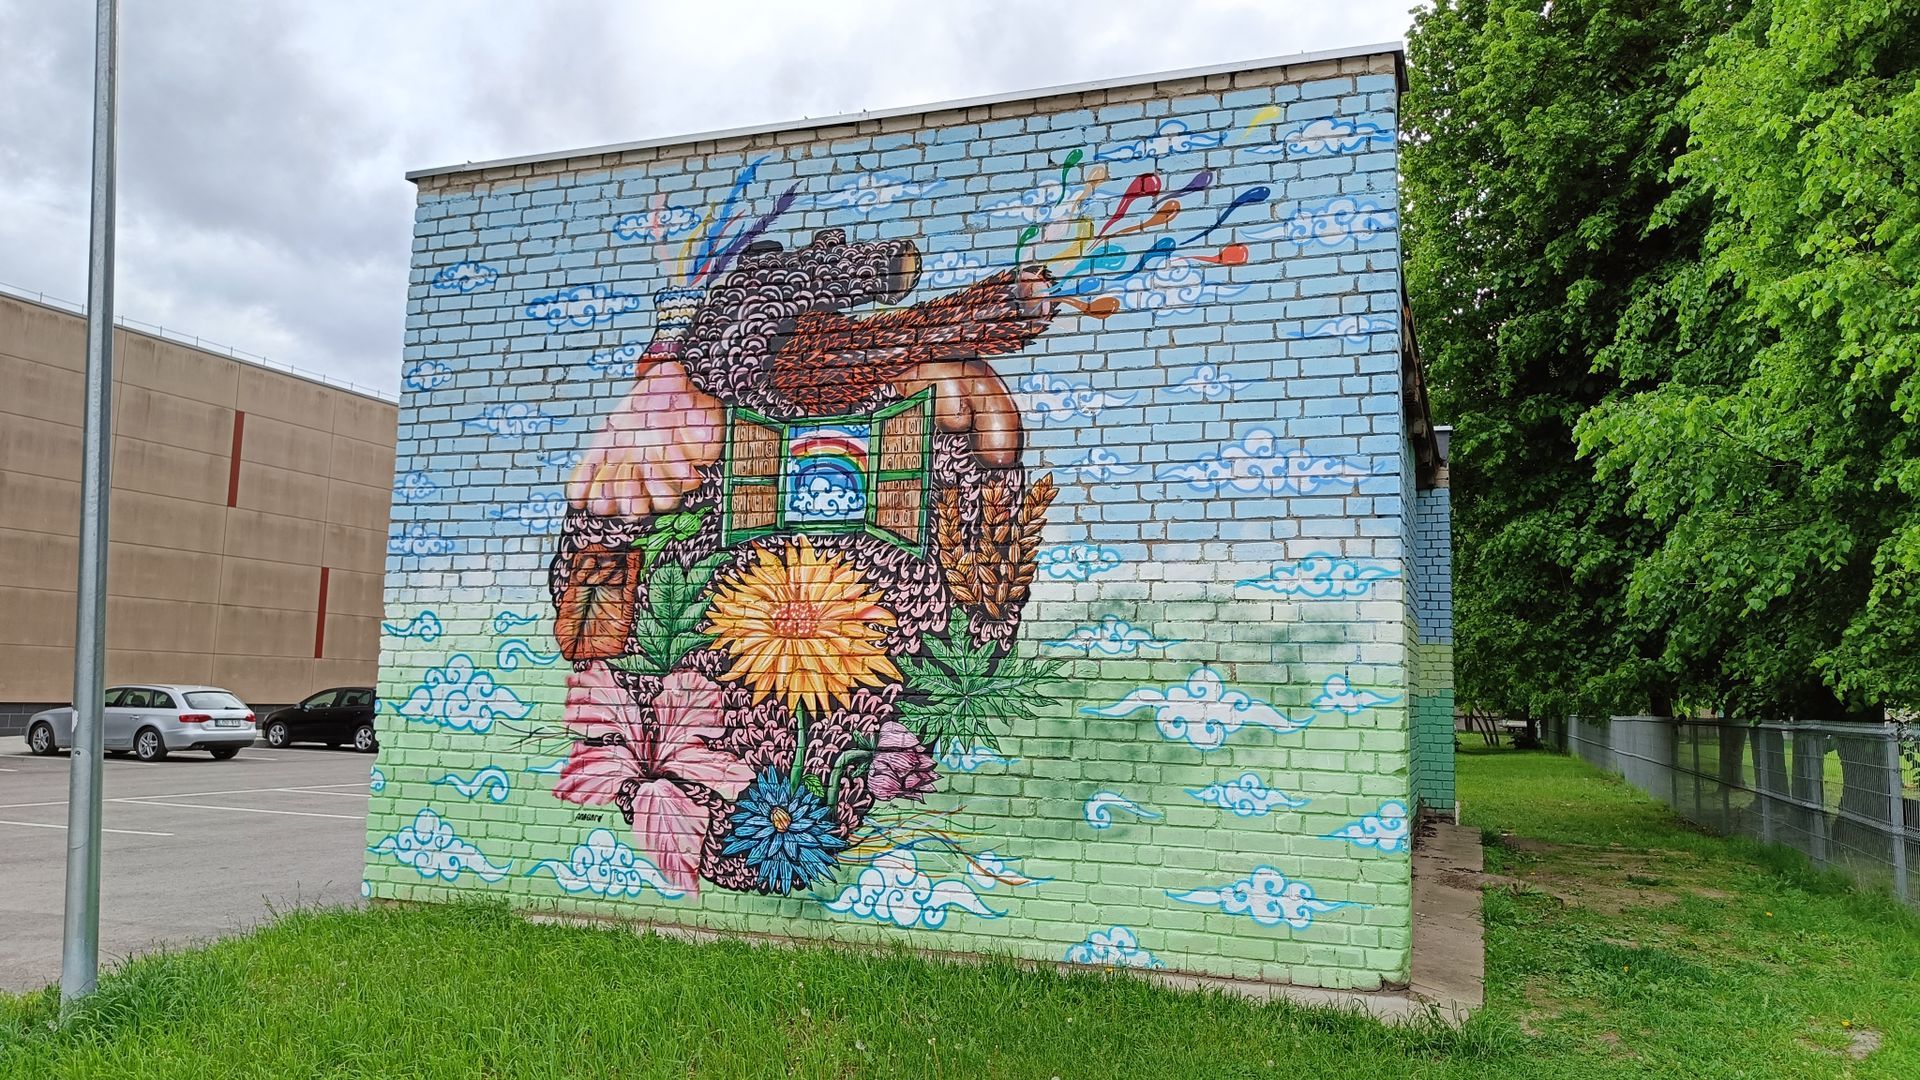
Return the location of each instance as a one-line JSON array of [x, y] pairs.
[[1620, 944]]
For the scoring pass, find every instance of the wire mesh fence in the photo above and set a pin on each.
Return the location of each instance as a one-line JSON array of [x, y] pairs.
[[1838, 792]]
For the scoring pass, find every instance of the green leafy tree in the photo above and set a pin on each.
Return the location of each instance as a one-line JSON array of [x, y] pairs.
[[1780, 460], [1541, 230]]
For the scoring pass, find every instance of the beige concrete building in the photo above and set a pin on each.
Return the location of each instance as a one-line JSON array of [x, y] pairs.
[[248, 518]]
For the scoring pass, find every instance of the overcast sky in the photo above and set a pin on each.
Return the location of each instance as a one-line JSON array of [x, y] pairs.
[[263, 143]]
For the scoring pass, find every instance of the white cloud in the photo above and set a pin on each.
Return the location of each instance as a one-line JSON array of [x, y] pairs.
[[876, 192], [605, 866], [1100, 807], [1338, 695], [461, 697], [1049, 399], [1112, 636], [1321, 577], [1100, 464], [1267, 897], [652, 226], [583, 306], [426, 375], [1202, 711], [1334, 223], [434, 850], [466, 276], [491, 782], [1259, 463], [1206, 382], [1173, 137], [1386, 830], [1114, 947], [895, 890], [1078, 562], [1248, 796]]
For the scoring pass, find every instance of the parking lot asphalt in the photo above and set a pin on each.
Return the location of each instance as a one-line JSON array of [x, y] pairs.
[[191, 848]]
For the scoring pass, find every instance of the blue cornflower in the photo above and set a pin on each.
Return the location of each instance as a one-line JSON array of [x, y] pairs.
[[785, 832]]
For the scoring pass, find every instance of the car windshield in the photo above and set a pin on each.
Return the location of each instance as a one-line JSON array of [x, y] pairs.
[[213, 699]]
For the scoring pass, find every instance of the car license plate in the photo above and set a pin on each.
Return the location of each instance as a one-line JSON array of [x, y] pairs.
[[226, 723]]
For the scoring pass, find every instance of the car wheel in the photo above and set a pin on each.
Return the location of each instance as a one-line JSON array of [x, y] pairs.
[[40, 740], [363, 739], [148, 745], [222, 753], [277, 735]]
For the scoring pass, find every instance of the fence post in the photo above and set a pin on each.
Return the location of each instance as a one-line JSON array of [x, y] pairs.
[[1809, 788], [1897, 812], [1769, 775]]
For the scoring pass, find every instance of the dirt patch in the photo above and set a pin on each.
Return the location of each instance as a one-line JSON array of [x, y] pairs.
[[1864, 1041]]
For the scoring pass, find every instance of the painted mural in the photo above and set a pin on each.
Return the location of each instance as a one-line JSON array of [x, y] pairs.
[[899, 564]]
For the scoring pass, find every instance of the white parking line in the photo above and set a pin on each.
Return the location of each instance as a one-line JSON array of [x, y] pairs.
[[46, 825], [238, 809], [314, 790], [341, 794]]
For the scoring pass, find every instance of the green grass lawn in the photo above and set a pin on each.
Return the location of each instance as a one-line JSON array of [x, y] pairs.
[[1620, 944]]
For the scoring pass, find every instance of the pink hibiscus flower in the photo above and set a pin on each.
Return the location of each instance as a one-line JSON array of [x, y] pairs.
[[901, 768], [645, 768]]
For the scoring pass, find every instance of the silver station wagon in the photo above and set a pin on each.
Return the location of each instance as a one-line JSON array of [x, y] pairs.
[[152, 720]]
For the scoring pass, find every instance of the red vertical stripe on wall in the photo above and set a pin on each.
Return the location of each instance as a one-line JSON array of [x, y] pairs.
[[320, 617], [233, 459]]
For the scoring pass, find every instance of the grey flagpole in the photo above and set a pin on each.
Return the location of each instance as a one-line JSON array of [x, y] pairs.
[[80, 946]]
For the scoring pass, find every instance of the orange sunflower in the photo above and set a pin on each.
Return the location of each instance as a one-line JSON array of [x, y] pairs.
[[802, 627]]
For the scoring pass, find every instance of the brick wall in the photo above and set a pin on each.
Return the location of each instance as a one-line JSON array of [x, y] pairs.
[[984, 528], [1431, 586]]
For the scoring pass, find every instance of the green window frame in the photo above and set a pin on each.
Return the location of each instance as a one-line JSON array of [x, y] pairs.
[[898, 474]]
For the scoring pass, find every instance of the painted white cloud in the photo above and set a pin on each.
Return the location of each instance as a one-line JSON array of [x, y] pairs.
[[660, 223], [418, 539], [434, 850], [1175, 285], [969, 758], [1352, 328], [988, 869], [461, 697], [1173, 137], [1100, 464], [516, 652], [426, 626], [1386, 830], [1320, 577], [1111, 636], [1115, 947], [1207, 383], [1049, 399], [1101, 805], [545, 512], [1338, 695], [614, 362], [1267, 897], [1036, 205], [1333, 223], [466, 276], [1259, 463], [1248, 796], [877, 191], [1202, 711], [893, 889], [417, 487], [1327, 135], [950, 269], [426, 375], [606, 867], [491, 782], [583, 306], [1078, 562], [513, 418]]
